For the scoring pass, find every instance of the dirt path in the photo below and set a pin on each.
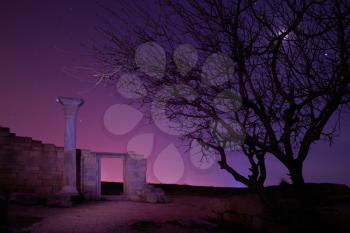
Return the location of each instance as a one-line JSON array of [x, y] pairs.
[[182, 215]]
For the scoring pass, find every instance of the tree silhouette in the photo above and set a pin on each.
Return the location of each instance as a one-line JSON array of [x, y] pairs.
[[288, 63]]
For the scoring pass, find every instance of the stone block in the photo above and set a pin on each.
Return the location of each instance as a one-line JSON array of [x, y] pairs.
[[59, 201], [86, 153], [37, 142], [6, 152], [4, 134], [33, 175], [89, 188], [63, 200], [3, 213], [60, 149], [44, 190], [32, 168], [49, 147], [28, 140], [151, 198], [25, 198], [5, 129], [18, 139], [6, 169], [4, 141], [35, 152], [90, 183], [8, 176], [48, 179], [17, 146], [33, 182], [8, 162], [51, 155], [148, 194], [37, 147], [134, 197], [6, 182]]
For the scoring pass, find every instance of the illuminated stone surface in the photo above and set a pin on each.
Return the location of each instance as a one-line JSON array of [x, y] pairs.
[[70, 108], [32, 167]]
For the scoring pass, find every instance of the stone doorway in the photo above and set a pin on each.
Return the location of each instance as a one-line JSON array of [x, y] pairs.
[[111, 173], [123, 160]]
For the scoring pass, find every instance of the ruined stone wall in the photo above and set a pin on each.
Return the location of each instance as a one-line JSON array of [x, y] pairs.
[[134, 174], [89, 177], [27, 165]]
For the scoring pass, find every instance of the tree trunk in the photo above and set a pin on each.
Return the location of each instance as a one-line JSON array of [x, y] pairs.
[[296, 173]]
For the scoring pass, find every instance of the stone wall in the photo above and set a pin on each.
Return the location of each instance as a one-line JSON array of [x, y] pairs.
[[27, 165], [89, 175], [134, 174]]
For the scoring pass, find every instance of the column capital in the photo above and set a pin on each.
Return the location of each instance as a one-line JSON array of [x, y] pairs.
[[70, 105], [68, 101]]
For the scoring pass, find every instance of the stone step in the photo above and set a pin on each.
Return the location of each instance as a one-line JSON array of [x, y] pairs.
[[5, 129], [21, 146], [49, 147], [37, 143], [4, 141], [28, 139], [4, 134], [18, 139], [59, 149], [37, 147], [7, 151]]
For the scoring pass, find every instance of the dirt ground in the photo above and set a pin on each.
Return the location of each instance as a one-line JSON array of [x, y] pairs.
[[181, 215], [190, 211]]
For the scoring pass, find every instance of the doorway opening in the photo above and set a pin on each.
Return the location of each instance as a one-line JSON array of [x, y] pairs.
[[111, 176]]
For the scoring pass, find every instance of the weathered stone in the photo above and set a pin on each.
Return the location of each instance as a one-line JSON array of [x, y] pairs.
[[37, 147], [49, 147], [4, 129], [151, 198], [3, 214], [18, 139], [63, 200], [28, 165], [37, 143], [134, 197], [31, 168], [4, 141], [7, 153], [70, 108], [25, 198], [4, 134], [152, 195], [44, 190]]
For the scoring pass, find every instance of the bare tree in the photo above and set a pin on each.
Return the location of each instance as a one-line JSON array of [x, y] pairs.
[[284, 63]]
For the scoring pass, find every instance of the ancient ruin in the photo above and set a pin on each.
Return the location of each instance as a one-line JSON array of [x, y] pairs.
[[32, 167]]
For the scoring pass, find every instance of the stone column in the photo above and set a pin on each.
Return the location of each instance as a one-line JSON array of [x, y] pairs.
[[70, 108]]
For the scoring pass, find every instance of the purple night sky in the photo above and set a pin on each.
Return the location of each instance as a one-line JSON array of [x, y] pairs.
[[42, 57]]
